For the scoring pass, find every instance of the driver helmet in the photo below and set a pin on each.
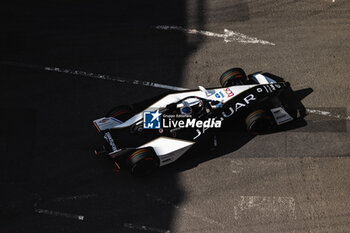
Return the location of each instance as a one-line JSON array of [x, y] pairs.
[[186, 110]]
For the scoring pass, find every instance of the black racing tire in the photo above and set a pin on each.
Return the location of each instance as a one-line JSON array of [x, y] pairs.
[[259, 122], [143, 162], [122, 113], [234, 76]]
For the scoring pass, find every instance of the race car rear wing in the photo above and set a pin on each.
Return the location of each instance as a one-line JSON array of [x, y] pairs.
[[106, 123]]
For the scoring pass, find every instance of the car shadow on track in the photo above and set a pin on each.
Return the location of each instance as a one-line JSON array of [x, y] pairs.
[[48, 115]]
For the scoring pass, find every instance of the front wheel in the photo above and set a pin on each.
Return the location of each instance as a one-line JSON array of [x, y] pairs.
[[234, 76], [259, 122], [143, 162]]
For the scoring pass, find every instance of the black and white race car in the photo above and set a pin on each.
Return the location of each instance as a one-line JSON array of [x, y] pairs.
[[144, 136]]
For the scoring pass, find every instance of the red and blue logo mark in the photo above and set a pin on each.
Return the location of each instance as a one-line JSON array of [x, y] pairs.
[[228, 92]]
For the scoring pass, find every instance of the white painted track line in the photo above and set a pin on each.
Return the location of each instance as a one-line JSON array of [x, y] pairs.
[[60, 214], [76, 197], [94, 75], [228, 35], [144, 228]]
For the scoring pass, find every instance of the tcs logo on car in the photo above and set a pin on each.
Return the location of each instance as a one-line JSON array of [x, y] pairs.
[[228, 92]]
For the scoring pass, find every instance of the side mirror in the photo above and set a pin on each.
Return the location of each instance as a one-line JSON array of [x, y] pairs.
[[202, 89]]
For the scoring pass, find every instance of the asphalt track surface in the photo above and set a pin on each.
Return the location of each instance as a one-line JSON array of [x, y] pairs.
[[292, 181]]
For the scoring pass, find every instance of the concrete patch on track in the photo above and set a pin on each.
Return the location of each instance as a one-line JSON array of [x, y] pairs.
[[328, 114], [265, 207], [236, 166], [187, 211]]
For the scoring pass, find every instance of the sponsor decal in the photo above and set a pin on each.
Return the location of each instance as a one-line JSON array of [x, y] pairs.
[[237, 106], [219, 95], [103, 120], [151, 120], [110, 140], [228, 92], [269, 88], [229, 113]]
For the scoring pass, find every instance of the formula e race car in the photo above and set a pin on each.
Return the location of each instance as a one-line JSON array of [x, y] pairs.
[[144, 136]]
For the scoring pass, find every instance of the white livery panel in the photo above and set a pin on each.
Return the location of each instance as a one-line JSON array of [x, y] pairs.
[[168, 149], [219, 94]]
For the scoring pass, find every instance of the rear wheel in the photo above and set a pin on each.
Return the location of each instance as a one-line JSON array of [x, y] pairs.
[[234, 76], [122, 113], [100, 151], [259, 122], [143, 162]]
